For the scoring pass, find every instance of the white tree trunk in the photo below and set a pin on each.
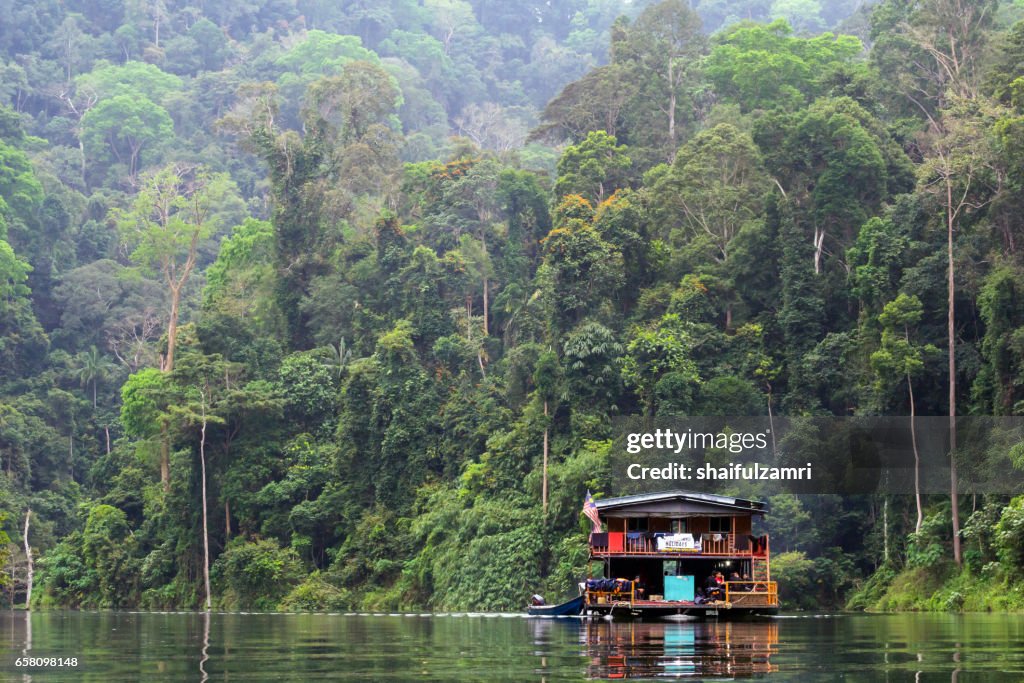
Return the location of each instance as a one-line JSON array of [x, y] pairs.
[[206, 534], [544, 485], [486, 296], [917, 459], [954, 495], [819, 247], [30, 568], [885, 530], [671, 110]]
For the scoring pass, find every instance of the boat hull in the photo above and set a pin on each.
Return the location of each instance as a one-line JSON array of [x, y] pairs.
[[572, 608]]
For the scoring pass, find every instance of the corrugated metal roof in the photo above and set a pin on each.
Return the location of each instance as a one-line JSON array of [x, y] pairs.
[[713, 499]]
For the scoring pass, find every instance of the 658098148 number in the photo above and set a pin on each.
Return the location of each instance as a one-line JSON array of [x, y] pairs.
[[33, 662]]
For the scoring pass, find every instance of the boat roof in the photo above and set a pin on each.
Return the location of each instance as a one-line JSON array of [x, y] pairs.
[[711, 499]]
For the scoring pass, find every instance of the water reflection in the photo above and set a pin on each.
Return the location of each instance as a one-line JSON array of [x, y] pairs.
[[28, 643], [682, 650], [111, 647], [204, 676]]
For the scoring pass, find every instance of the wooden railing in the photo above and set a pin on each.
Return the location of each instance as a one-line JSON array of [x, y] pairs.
[[633, 543], [639, 545], [719, 544], [752, 593]]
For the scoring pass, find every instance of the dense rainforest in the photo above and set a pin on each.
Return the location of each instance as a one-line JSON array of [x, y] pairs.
[[318, 305]]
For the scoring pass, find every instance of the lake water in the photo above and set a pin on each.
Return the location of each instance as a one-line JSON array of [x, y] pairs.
[[135, 646]]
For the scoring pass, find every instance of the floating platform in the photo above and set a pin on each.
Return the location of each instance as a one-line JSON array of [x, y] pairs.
[[664, 609]]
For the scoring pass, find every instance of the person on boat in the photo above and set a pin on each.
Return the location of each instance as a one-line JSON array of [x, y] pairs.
[[713, 588], [639, 588]]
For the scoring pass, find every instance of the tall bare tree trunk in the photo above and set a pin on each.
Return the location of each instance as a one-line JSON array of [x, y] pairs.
[[885, 530], [30, 571], [227, 520], [544, 485], [172, 329], [917, 458], [819, 248], [486, 296], [165, 458], [671, 109], [168, 366], [950, 309], [206, 533], [81, 168]]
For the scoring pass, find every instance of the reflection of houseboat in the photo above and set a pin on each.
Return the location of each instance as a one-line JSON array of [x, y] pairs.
[[698, 650], [673, 541]]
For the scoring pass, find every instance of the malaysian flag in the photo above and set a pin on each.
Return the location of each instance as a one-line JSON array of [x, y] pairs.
[[590, 510]]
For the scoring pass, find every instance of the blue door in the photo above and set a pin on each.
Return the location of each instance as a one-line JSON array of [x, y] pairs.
[[679, 588]]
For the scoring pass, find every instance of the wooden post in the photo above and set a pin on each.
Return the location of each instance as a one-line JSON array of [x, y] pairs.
[[28, 557]]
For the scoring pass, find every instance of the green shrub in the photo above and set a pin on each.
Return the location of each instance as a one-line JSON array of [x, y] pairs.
[[871, 592], [911, 589], [108, 548], [797, 580], [64, 579], [256, 574], [979, 533], [1010, 534], [314, 594], [927, 548]]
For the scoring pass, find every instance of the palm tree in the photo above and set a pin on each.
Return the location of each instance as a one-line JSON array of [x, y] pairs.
[[93, 366], [341, 354]]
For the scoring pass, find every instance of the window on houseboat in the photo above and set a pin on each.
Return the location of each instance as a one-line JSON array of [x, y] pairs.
[[679, 526], [721, 525], [636, 524]]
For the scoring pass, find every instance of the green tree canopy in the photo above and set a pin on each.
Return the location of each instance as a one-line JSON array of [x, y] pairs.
[[765, 67], [122, 127], [594, 168]]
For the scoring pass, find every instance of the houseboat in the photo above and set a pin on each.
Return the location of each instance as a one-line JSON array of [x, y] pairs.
[[656, 552]]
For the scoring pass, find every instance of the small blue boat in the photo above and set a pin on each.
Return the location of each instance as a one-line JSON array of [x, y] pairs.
[[571, 608]]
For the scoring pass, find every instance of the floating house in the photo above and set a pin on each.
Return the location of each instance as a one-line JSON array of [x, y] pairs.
[[658, 550]]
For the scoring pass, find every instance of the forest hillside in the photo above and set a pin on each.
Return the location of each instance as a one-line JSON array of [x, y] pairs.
[[310, 304]]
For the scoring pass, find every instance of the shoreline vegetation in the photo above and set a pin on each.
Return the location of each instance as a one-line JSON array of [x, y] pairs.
[[305, 305]]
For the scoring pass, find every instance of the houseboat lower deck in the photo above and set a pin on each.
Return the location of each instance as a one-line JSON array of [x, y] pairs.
[[741, 600]]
